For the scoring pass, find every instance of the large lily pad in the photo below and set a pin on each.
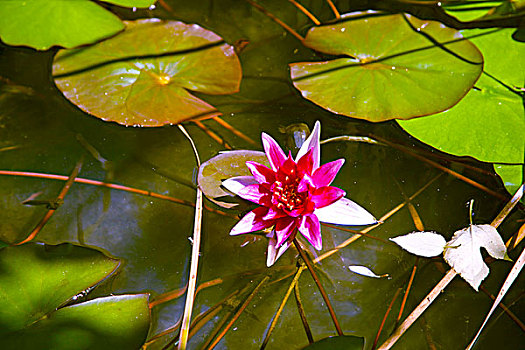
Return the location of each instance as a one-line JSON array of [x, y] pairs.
[[141, 77], [45, 23], [36, 280], [394, 66], [488, 124]]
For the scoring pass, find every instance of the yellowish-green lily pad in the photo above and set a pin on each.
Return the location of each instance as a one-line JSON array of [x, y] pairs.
[[142, 77], [389, 66]]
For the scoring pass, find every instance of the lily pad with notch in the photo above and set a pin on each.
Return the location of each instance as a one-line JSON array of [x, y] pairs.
[[142, 77], [224, 166], [389, 67], [37, 282]]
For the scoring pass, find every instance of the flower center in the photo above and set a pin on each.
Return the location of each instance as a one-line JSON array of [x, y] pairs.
[[286, 196]]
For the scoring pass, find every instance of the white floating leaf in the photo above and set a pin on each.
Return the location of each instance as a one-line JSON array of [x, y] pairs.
[[464, 255], [364, 271], [427, 244]]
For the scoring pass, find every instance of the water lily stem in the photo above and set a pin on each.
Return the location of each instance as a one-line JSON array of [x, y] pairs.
[[192, 281], [319, 285]]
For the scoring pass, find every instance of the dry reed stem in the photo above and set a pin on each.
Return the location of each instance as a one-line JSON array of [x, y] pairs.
[[192, 280], [441, 285]]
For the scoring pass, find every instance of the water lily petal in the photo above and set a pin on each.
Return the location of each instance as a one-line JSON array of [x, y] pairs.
[[311, 230], [251, 222], [325, 174], [235, 184], [274, 213], [256, 193], [288, 168], [326, 195], [305, 163], [261, 172], [305, 183], [345, 212], [275, 253], [284, 227], [273, 151], [312, 143]]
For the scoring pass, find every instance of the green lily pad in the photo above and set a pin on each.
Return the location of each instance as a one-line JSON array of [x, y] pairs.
[[141, 77], [485, 10], [115, 322], [132, 3], [44, 23], [37, 279], [344, 342], [224, 166], [488, 124], [392, 67]]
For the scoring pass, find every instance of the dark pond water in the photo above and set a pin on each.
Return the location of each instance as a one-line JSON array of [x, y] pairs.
[[39, 132]]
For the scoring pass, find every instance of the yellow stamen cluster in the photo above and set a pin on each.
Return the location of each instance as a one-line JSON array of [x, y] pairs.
[[286, 194]]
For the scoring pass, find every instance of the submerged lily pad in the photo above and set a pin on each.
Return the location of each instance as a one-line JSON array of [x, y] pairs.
[[393, 66], [45, 23], [141, 77], [37, 280], [224, 166]]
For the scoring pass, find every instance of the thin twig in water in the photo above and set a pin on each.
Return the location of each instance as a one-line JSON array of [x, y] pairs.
[[306, 12], [57, 201], [385, 317], [192, 280], [302, 314], [112, 186], [334, 9], [236, 132], [306, 259], [275, 19], [213, 135], [407, 291], [238, 313], [281, 306]]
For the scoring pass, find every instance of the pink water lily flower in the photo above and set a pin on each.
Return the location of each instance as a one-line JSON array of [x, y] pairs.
[[294, 195]]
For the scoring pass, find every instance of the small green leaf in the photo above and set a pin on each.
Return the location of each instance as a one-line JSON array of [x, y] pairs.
[[344, 342], [393, 66], [115, 322], [142, 76], [44, 23], [37, 279]]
